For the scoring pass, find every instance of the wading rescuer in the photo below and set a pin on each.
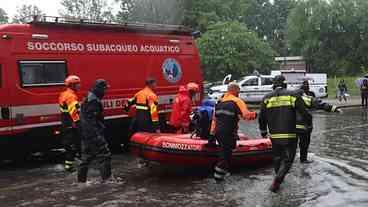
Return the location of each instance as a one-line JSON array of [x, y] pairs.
[[94, 145], [70, 124], [278, 114], [182, 107], [228, 111], [146, 115], [304, 130]]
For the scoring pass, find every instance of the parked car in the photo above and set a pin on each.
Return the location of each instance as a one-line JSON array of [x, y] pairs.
[[252, 88]]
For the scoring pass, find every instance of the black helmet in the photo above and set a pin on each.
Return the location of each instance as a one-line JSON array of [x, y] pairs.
[[101, 83], [279, 81], [305, 85], [99, 88]]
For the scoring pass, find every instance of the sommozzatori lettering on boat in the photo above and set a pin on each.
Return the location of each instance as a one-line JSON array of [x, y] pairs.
[[181, 146], [101, 47]]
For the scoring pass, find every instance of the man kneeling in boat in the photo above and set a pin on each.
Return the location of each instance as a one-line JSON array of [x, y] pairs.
[[228, 112]]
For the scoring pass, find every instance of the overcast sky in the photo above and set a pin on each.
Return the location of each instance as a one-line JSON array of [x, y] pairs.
[[50, 7]]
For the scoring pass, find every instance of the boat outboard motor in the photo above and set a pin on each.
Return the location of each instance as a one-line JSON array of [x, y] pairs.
[[202, 118]]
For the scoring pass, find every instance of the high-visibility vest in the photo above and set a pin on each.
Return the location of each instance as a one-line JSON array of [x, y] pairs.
[[146, 100], [69, 107]]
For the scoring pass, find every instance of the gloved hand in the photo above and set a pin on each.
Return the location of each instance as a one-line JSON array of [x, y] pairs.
[[126, 107], [264, 134]]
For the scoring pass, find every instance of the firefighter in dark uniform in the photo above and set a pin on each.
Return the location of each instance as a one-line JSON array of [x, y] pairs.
[[94, 145], [304, 130], [278, 114], [228, 111], [70, 124], [146, 103]]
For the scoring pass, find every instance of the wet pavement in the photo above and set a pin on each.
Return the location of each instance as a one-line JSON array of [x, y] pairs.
[[337, 177]]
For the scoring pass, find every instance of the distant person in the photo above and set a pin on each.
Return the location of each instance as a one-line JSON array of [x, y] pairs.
[[94, 145], [70, 123], [182, 107], [364, 93], [278, 116], [342, 90], [228, 111]]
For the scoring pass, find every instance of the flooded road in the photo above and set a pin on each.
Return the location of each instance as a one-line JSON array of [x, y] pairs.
[[337, 177]]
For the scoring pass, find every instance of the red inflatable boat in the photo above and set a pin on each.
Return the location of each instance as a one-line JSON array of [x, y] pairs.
[[182, 150]]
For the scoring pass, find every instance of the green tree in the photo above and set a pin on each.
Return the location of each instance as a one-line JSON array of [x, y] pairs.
[[148, 11], [3, 16], [26, 11], [230, 47], [96, 10], [268, 20], [331, 35], [200, 14]]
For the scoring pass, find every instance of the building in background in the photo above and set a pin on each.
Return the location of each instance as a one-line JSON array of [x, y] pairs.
[[292, 63]]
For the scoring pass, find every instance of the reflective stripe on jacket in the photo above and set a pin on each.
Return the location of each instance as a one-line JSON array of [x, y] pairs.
[[311, 103], [228, 111], [69, 108], [146, 101], [278, 113]]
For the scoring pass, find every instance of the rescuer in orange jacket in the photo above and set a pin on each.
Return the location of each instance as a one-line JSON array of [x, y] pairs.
[[182, 107], [146, 103], [70, 127], [228, 111]]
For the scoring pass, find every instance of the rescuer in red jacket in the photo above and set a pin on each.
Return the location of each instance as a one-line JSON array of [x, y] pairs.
[[182, 107], [70, 127]]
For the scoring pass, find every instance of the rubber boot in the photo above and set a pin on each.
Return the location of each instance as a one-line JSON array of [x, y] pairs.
[[82, 174], [275, 186], [105, 170]]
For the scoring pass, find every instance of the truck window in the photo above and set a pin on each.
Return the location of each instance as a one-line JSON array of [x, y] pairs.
[[42, 73], [251, 82], [266, 81]]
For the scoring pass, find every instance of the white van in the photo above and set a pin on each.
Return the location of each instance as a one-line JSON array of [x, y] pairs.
[[294, 78]]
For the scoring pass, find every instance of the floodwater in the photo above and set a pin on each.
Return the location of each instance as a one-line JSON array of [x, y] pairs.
[[337, 177]]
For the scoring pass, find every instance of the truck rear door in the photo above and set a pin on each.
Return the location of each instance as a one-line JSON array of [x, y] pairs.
[[5, 124]]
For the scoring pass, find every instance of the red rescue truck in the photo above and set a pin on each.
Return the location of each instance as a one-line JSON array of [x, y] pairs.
[[36, 57]]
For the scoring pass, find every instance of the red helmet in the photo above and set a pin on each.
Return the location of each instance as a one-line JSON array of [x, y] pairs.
[[72, 79], [193, 87]]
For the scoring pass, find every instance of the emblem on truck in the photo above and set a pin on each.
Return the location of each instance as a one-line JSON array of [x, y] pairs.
[[171, 70]]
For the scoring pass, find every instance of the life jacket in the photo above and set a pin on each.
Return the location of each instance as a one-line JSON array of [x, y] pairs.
[[146, 101], [69, 108]]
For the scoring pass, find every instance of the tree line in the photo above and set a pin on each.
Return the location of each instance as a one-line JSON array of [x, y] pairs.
[[240, 36]]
